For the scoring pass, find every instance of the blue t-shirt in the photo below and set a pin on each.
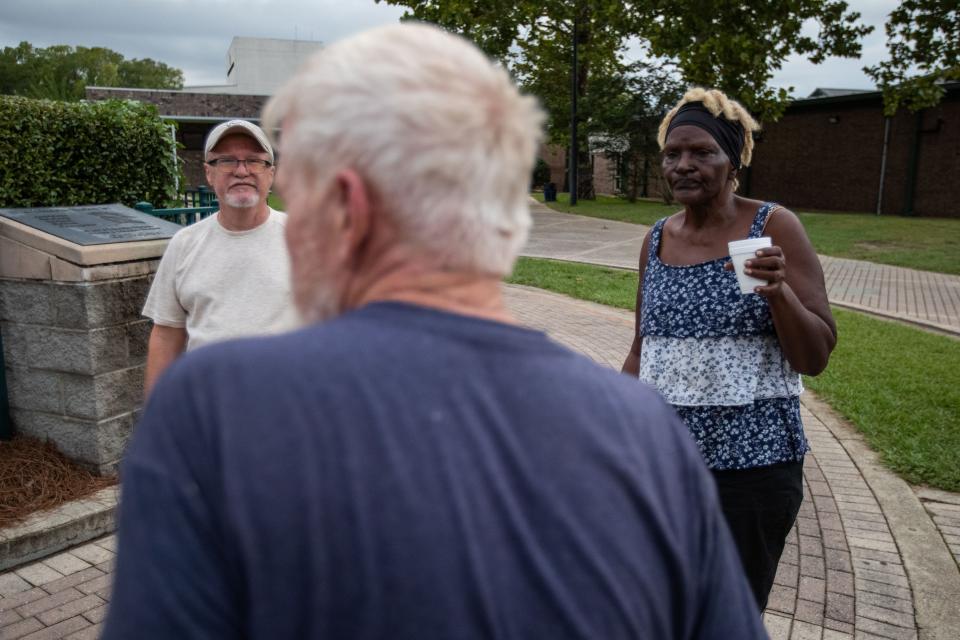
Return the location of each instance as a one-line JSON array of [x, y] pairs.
[[401, 472]]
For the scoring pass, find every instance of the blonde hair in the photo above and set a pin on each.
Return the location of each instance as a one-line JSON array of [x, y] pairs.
[[717, 103], [440, 132]]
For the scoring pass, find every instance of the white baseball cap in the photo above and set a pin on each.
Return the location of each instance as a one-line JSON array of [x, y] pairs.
[[237, 126]]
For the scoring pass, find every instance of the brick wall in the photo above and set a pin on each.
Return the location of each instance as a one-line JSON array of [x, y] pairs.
[[187, 103], [192, 136], [604, 174], [828, 155], [821, 158], [938, 164], [556, 158]]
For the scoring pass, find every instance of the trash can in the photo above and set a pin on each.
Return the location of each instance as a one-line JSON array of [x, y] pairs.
[[549, 192]]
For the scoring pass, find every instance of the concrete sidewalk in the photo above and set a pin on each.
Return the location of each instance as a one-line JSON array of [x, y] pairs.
[[929, 300]]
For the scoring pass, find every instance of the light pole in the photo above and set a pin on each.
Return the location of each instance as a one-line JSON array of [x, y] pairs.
[[573, 119]]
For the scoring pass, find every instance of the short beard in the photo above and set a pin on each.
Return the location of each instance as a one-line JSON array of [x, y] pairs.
[[241, 201]]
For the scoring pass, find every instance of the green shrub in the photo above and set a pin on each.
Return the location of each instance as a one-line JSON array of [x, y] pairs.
[[541, 174], [76, 153]]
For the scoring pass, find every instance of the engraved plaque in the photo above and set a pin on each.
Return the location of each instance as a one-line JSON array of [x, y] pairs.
[[94, 224]]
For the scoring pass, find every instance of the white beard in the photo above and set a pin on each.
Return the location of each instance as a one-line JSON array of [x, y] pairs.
[[245, 201]]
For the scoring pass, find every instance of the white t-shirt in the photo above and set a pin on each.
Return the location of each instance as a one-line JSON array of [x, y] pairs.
[[222, 284]]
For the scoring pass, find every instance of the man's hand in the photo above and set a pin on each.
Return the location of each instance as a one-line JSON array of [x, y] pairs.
[[166, 344]]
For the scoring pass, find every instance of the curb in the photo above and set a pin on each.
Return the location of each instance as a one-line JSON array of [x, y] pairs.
[[933, 327], [951, 331], [931, 568], [45, 533], [926, 325]]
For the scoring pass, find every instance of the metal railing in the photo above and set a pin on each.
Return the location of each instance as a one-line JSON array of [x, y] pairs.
[[198, 204], [184, 216], [200, 197]]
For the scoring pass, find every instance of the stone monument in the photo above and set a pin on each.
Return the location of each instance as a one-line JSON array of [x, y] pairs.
[[72, 283]]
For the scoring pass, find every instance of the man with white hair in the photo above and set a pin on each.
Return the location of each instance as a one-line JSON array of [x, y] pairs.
[[228, 275], [414, 464]]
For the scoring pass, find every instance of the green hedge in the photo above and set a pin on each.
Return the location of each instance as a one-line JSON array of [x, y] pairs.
[[76, 153], [541, 174]]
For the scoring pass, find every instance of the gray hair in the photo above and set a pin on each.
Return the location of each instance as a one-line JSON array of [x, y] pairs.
[[440, 133]]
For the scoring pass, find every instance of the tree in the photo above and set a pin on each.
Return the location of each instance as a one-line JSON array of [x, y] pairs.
[[148, 73], [542, 65], [16, 69], [648, 91], [535, 40], [62, 72], [923, 46], [737, 46], [732, 45]]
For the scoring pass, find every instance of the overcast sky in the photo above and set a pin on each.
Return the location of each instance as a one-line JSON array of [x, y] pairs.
[[194, 35]]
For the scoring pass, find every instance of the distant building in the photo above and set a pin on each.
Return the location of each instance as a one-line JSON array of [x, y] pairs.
[[836, 151], [255, 68], [835, 93], [260, 66]]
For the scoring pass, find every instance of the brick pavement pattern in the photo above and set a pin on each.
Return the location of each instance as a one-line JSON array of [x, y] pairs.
[[842, 574], [921, 297], [931, 299], [62, 596], [944, 509]]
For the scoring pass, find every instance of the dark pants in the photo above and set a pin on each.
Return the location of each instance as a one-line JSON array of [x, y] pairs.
[[761, 505]]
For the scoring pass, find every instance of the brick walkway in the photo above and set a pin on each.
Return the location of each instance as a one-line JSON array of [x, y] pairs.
[[932, 299], [864, 560], [863, 552], [64, 596], [928, 299]]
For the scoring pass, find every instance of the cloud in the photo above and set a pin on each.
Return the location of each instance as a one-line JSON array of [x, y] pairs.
[[193, 36]]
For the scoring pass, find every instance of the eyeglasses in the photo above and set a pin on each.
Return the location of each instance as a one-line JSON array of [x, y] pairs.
[[229, 165]]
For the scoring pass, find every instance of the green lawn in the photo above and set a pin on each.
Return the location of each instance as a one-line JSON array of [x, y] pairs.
[[930, 244], [612, 287], [640, 212], [898, 385], [901, 387]]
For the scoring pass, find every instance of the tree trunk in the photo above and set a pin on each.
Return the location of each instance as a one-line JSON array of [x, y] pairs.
[[585, 187], [645, 192], [630, 177]]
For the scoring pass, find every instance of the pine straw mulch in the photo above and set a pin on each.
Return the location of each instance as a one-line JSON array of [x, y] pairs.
[[35, 476]]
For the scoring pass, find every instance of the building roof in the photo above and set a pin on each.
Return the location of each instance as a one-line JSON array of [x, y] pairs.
[[823, 92], [837, 96]]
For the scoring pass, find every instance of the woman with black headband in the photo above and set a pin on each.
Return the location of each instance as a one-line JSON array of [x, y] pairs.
[[729, 362]]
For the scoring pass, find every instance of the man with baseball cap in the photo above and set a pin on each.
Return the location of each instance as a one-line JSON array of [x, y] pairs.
[[228, 275]]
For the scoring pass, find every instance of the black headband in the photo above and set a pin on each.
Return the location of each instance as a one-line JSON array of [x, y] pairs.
[[729, 135]]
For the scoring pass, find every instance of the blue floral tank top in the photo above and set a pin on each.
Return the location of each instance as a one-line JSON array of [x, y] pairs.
[[714, 355]]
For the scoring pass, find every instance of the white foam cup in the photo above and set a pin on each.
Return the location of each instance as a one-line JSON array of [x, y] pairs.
[[740, 252]]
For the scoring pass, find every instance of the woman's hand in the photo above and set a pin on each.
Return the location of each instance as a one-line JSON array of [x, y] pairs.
[[770, 265], [798, 296]]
